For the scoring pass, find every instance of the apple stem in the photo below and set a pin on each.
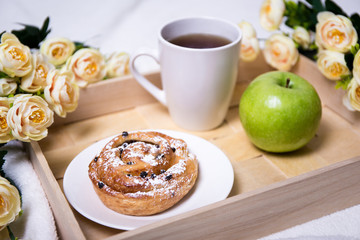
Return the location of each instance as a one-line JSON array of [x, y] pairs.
[[287, 83]]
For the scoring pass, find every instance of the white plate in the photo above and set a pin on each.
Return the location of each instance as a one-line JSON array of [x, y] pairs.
[[215, 180]]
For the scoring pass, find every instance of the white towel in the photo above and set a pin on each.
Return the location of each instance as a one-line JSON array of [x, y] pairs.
[[341, 225], [37, 221]]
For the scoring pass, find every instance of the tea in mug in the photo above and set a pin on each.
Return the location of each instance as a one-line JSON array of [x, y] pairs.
[[200, 41]]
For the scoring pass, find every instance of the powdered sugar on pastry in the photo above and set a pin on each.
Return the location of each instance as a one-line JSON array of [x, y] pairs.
[[143, 173]]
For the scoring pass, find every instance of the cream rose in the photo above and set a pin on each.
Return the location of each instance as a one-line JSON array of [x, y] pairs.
[[356, 67], [117, 65], [62, 93], [351, 99], [5, 130], [271, 14], [29, 117], [57, 49], [280, 52], [88, 66], [249, 44], [334, 32], [15, 58], [10, 205], [332, 64], [7, 86], [302, 37], [36, 79]]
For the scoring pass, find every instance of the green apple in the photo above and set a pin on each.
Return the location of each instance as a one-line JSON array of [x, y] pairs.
[[280, 111]]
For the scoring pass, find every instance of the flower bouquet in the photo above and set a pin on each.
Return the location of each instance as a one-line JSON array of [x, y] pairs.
[[45, 80], [41, 77]]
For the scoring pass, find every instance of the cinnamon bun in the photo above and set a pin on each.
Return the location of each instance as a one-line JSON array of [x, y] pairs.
[[143, 172]]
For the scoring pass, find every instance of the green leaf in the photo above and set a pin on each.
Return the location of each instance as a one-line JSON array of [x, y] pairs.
[[19, 90], [44, 31], [290, 7], [298, 15], [2, 160], [334, 8], [313, 46], [355, 19], [4, 75], [316, 5], [349, 59], [354, 49], [31, 36], [80, 45], [344, 82], [309, 53], [305, 12]]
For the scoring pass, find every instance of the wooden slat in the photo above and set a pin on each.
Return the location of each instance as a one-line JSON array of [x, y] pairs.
[[157, 117], [265, 211], [110, 96], [67, 225]]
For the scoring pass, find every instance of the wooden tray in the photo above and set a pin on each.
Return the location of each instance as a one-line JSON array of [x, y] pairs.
[[271, 192]]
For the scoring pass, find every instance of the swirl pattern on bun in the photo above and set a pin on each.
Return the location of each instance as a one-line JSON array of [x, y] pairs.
[[143, 172]]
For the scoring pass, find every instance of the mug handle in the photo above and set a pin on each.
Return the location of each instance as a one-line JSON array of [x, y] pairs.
[[151, 88]]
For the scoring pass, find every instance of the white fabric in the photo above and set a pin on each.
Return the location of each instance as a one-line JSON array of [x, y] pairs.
[[341, 225], [128, 25], [37, 221]]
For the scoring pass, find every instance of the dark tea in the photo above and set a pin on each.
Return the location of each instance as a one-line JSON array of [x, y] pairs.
[[200, 41]]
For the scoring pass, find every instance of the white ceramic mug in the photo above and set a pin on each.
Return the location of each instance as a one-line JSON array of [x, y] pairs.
[[197, 82]]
